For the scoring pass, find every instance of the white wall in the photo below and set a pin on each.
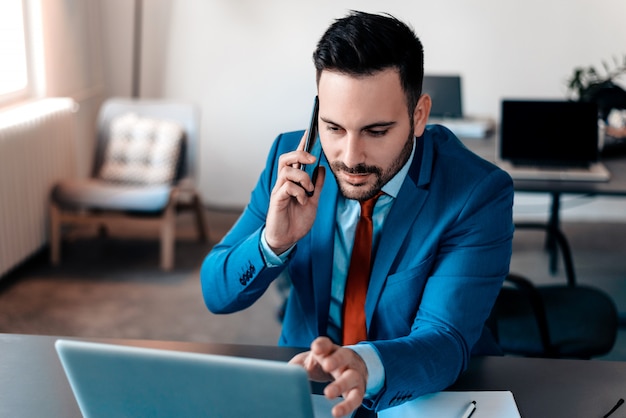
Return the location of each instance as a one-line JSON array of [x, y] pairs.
[[117, 45], [247, 63], [72, 62]]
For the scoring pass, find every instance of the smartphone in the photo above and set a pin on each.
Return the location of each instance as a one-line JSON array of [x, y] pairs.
[[313, 145]]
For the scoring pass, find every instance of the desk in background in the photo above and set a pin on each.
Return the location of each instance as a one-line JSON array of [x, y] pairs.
[[33, 385], [616, 186]]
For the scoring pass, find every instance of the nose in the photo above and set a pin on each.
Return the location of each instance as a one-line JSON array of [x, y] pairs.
[[353, 151]]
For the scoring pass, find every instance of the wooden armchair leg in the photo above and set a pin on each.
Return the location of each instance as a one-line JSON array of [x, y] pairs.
[[168, 236], [55, 234], [200, 218]]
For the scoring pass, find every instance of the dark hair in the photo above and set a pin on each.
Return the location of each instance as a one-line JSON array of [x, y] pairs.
[[363, 44]]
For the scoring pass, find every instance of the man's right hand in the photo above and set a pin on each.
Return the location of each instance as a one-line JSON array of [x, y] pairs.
[[292, 212], [342, 366]]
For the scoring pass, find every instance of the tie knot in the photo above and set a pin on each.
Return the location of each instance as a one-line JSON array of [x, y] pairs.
[[367, 206]]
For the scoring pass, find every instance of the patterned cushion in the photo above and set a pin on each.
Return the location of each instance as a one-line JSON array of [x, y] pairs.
[[142, 150]]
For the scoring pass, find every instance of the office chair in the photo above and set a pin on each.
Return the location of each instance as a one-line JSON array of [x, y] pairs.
[[555, 321], [143, 173]]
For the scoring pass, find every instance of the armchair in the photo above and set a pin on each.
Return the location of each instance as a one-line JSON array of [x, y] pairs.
[[143, 174]]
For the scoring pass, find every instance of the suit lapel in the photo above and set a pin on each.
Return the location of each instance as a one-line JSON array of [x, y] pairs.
[[322, 249], [404, 212]]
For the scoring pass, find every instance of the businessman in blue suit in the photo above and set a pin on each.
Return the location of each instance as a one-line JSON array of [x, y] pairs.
[[442, 228]]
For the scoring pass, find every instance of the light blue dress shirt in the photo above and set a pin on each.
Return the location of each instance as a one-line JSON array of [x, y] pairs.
[[348, 213]]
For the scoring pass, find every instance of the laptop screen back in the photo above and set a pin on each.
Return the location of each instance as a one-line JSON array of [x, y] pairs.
[[542, 132], [445, 92], [121, 381]]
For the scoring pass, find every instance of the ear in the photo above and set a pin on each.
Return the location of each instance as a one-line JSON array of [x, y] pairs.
[[421, 113]]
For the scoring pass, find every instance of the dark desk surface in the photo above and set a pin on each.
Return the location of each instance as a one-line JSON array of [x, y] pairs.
[[32, 382], [616, 186], [551, 388]]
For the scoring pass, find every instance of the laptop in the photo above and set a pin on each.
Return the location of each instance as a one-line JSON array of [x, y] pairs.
[[122, 381], [550, 140], [447, 107]]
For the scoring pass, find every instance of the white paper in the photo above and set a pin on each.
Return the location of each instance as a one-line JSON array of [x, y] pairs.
[[489, 404]]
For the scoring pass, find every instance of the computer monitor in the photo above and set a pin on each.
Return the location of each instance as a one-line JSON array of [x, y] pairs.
[[445, 92]]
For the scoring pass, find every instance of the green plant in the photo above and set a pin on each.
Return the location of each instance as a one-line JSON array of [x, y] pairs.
[[585, 82]]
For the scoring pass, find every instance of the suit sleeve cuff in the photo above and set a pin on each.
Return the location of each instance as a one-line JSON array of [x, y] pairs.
[[271, 259], [375, 369]]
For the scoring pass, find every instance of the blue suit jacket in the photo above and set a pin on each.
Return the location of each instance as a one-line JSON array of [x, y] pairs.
[[443, 253]]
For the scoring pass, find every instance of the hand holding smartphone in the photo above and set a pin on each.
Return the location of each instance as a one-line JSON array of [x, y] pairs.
[[312, 145]]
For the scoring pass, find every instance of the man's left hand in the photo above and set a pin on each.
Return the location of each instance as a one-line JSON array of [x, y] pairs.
[[328, 361]]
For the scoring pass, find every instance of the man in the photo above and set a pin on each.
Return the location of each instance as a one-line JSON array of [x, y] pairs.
[[442, 228]]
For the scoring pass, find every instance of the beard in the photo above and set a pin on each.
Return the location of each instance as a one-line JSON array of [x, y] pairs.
[[366, 191]]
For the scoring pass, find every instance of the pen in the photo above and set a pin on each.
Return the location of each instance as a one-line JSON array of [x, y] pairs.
[[617, 405], [469, 410]]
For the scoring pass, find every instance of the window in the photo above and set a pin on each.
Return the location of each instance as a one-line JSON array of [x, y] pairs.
[[14, 73]]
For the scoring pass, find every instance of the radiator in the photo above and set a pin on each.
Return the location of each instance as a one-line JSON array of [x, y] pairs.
[[37, 148]]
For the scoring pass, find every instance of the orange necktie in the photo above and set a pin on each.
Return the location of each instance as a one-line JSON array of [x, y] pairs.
[[354, 328]]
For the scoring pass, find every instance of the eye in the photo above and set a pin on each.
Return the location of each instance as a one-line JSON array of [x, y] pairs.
[[333, 129], [377, 132]]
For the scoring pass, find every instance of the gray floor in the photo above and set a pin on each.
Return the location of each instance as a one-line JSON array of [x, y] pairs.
[[112, 287]]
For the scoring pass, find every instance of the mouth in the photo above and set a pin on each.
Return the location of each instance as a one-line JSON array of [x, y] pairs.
[[355, 179], [359, 176]]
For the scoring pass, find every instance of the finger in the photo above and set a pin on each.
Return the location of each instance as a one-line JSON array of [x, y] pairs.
[[301, 146], [323, 346], [339, 360], [292, 183], [295, 159], [307, 361], [292, 189], [312, 191], [299, 359], [310, 364], [325, 354], [303, 140], [289, 170], [352, 387], [315, 372], [352, 400], [345, 381]]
